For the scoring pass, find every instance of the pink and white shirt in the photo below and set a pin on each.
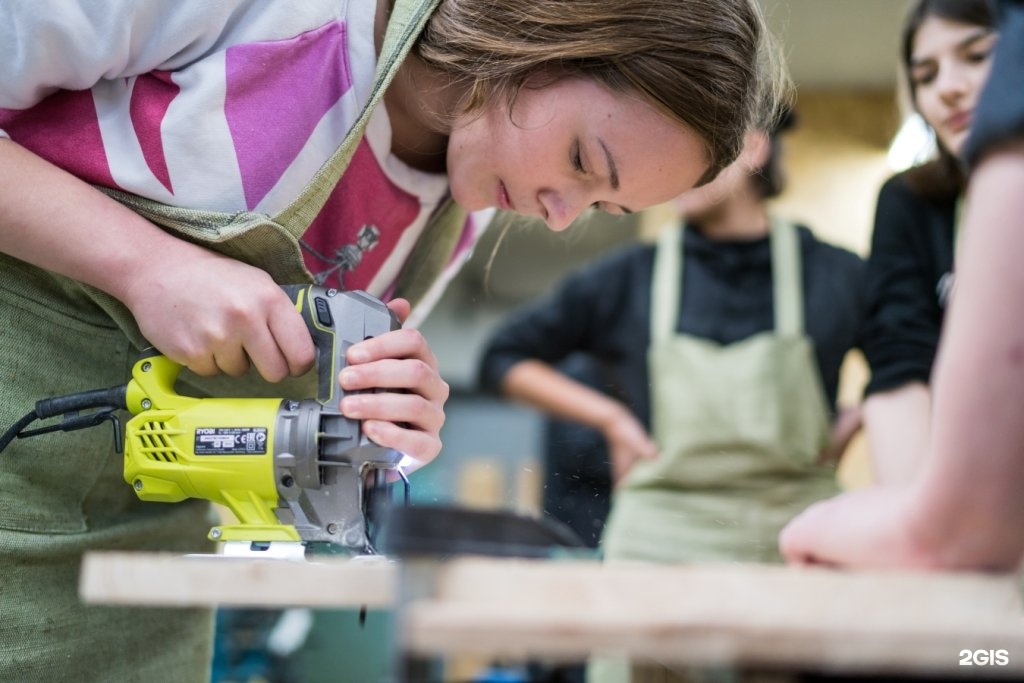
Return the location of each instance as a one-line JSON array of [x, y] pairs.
[[227, 105]]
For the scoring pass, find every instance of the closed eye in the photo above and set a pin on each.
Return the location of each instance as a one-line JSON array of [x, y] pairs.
[[978, 57], [576, 157], [610, 209], [923, 74]]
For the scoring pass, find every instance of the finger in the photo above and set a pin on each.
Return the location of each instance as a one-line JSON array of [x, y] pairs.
[[203, 366], [799, 560], [620, 467], [231, 360], [649, 450], [798, 538], [292, 338], [421, 446], [793, 548], [410, 374], [404, 343], [266, 356], [401, 308], [408, 409]]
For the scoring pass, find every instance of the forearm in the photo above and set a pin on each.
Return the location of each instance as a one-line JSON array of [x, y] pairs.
[[203, 310], [54, 220], [971, 496], [540, 385], [897, 424]]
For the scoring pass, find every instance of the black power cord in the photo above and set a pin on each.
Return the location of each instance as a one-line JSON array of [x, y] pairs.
[[106, 402], [16, 428]]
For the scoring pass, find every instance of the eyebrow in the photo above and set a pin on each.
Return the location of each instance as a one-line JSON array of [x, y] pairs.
[[980, 34], [613, 171]]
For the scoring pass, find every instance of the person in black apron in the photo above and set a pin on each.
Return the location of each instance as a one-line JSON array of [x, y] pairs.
[[727, 336]]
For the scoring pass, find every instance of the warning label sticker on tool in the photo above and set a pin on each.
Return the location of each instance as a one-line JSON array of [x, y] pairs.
[[231, 440]]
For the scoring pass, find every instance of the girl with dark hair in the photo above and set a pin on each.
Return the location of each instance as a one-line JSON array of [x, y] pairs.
[[963, 511], [946, 56]]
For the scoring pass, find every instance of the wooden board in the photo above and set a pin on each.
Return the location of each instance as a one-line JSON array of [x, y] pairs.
[[745, 616], [183, 581], [735, 615]]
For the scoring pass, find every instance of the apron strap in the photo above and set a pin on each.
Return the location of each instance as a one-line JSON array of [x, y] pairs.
[[432, 253], [406, 21], [787, 275], [667, 282]]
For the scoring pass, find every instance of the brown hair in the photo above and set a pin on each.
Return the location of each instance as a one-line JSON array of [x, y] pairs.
[[942, 177], [708, 64], [770, 180]]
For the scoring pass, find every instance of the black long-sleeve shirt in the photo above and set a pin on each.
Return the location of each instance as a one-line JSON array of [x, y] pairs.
[[913, 242], [908, 278], [603, 309]]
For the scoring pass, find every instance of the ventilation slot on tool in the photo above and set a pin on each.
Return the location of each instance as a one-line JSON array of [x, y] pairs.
[[153, 439]]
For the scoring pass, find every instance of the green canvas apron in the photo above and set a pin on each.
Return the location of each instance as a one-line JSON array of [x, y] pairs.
[[739, 429], [64, 494]]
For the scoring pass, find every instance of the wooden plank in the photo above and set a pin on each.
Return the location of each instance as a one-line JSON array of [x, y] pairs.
[[179, 581], [739, 615], [745, 616]]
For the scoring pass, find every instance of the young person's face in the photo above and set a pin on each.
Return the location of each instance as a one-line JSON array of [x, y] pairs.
[[569, 146], [948, 67]]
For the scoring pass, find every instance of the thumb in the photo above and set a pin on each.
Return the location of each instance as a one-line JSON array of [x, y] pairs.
[[401, 308]]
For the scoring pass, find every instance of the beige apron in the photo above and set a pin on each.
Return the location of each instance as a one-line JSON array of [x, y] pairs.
[[64, 494], [739, 429]]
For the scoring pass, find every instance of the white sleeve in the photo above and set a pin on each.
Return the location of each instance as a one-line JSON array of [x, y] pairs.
[[50, 45], [46, 45]]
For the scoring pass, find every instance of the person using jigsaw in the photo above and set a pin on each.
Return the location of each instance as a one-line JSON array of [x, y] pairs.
[[962, 510], [945, 57], [726, 340], [165, 165]]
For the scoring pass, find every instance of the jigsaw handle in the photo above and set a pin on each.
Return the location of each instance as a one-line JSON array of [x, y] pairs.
[[336, 320]]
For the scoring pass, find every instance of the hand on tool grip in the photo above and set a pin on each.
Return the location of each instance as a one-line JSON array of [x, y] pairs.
[[215, 314], [408, 414]]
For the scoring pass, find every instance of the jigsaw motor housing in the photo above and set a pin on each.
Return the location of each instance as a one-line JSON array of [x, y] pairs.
[[289, 469]]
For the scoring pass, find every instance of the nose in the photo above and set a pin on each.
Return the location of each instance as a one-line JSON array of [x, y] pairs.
[[952, 82], [560, 208]]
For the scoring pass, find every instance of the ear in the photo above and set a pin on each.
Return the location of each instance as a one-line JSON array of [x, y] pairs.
[[757, 147]]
